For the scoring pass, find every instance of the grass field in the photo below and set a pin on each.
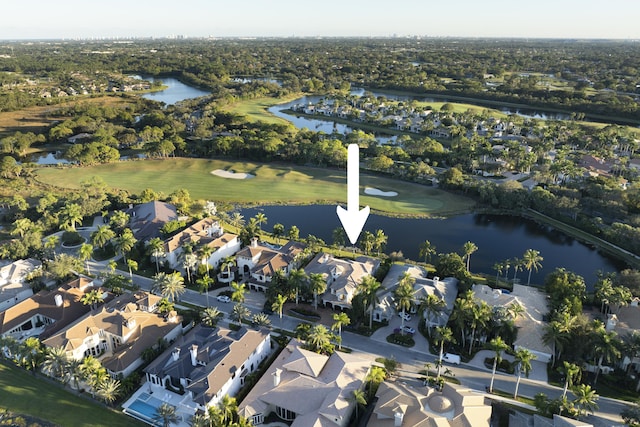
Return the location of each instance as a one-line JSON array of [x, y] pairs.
[[273, 184], [256, 109], [23, 393]]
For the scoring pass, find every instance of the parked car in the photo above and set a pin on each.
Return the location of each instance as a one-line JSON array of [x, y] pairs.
[[451, 358], [407, 317], [223, 298], [408, 329]]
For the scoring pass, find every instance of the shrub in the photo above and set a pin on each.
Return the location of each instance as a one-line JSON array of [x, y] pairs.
[[72, 238]]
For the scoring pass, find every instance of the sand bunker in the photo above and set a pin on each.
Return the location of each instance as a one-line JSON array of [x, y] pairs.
[[375, 192], [231, 174]]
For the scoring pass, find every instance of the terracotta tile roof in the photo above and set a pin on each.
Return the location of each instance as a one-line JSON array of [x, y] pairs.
[[44, 304], [196, 232]]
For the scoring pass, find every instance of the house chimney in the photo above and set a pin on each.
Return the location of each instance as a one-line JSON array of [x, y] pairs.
[[175, 354], [276, 377], [131, 323], [398, 417], [254, 242], [194, 354], [58, 300]]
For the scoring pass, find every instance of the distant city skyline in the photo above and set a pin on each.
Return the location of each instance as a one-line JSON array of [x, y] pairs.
[[72, 19]]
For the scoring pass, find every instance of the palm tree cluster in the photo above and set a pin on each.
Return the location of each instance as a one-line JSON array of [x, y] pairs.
[[55, 363], [225, 413], [370, 242]]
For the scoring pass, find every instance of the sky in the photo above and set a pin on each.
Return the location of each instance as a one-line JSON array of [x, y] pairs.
[[49, 19]]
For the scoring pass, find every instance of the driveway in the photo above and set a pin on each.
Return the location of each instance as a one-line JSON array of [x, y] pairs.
[[422, 345], [538, 369]]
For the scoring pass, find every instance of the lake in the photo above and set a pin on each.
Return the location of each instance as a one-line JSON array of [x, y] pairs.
[[176, 91], [497, 237]]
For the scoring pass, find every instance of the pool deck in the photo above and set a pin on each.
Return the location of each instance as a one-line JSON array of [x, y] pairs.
[[185, 408]]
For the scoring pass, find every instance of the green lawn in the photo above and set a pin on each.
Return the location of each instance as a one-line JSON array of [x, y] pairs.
[[273, 184], [23, 393], [256, 109]]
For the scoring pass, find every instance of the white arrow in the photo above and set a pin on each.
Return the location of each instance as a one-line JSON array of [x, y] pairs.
[[353, 218]]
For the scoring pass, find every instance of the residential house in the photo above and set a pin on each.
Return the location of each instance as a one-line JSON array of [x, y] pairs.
[[624, 321], [446, 289], [46, 312], [148, 218], [13, 285], [79, 138], [530, 324], [342, 276], [204, 232], [520, 419], [399, 404], [209, 363], [118, 332], [260, 262], [440, 132], [306, 388]]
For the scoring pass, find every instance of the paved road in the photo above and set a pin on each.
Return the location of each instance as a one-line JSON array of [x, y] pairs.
[[473, 375]]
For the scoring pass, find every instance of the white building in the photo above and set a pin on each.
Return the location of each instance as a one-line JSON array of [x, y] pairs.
[[260, 262], [13, 285]]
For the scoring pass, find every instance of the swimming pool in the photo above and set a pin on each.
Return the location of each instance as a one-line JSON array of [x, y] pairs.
[[145, 407]]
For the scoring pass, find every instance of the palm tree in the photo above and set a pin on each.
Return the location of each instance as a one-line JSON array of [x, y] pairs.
[[374, 378], [278, 305], [22, 226], [607, 346], [240, 312], [403, 295], [498, 266], [444, 335], [517, 266], [228, 408], [51, 242], [199, 420], [70, 215], [339, 320], [468, 248], [297, 279], [102, 236], [239, 289], [379, 240], [92, 298], [203, 286], [109, 390], [170, 286], [237, 220], [260, 218], [278, 231], [56, 363], [205, 253], [369, 285], [85, 252], [75, 372], [261, 319], [557, 333], [426, 250], [460, 315], [125, 242], [586, 399], [228, 262], [523, 358], [480, 316], [319, 338], [166, 414], [318, 286], [571, 373], [210, 316], [155, 248], [532, 261], [133, 265], [119, 220], [358, 398], [432, 306], [498, 346]]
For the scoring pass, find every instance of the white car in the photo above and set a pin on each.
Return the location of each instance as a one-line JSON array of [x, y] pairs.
[[223, 298], [451, 358], [408, 329], [407, 317]]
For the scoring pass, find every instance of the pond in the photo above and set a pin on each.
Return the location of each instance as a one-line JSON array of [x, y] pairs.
[[176, 91], [497, 237]]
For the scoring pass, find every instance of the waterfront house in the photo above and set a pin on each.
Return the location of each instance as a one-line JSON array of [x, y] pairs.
[[342, 277], [259, 262]]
